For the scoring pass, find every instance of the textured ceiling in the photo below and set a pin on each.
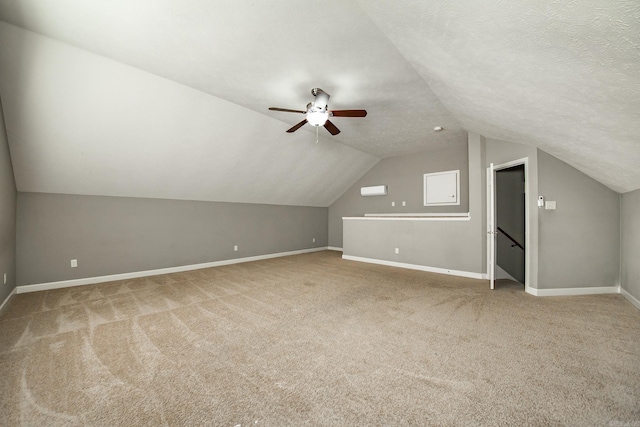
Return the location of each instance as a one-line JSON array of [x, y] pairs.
[[169, 99], [562, 75]]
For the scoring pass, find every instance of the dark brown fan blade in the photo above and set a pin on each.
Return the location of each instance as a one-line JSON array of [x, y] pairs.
[[333, 130], [298, 126], [286, 110], [348, 113]]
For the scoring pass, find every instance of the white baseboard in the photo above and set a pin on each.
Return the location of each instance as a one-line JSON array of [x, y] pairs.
[[135, 274], [6, 300], [415, 267], [574, 291], [633, 300]]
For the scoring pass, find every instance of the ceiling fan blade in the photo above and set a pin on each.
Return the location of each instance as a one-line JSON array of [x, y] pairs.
[[333, 130], [298, 126], [348, 113], [286, 110]]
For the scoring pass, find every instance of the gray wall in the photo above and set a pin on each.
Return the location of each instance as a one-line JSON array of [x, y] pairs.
[[404, 177], [630, 230], [454, 245], [439, 244], [579, 243], [7, 217], [110, 235]]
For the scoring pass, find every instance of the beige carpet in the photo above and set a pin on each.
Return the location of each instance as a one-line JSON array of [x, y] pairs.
[[316, 340]]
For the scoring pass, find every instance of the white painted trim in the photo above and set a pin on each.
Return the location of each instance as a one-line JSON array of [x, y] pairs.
[[528, 220], [512, 163], [419, 215], [415, 267], [527, 289], [135, 274], [574, 291], [412, 218], [471, 275], [633, 300], [6, 300], [334, 248], [491, 226]]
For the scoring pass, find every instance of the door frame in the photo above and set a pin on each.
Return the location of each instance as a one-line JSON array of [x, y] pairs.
[[491, 219]]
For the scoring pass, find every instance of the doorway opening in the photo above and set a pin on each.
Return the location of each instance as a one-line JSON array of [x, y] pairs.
[[510, 224], [508, 254]]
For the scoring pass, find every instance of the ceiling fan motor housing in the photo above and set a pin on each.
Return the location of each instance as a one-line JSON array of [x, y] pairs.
[[322, 98]]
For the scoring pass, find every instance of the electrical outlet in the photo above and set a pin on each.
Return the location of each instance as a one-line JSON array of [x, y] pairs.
[[235, 248], [5, 278], [404, 203], [393, 203], [397, 250], [314, 240], [74, 263]]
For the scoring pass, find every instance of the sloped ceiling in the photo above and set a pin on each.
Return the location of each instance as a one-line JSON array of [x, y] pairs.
[[169, 99], [562, 75]]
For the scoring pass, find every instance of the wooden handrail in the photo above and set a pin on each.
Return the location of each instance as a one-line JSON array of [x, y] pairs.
[[515, 242]]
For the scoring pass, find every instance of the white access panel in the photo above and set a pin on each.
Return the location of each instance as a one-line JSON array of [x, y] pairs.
[[442, 188]]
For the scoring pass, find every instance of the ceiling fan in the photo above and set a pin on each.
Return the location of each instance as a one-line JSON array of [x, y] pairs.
[[318, 115]]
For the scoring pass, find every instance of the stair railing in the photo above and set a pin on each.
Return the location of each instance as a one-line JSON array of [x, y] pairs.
[[514, 241]]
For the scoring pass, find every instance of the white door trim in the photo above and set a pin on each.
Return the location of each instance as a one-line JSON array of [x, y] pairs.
[[527, 217], [491, 226]]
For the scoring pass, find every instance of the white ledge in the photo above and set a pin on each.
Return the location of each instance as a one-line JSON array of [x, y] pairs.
[[412, 217], [422, 214]]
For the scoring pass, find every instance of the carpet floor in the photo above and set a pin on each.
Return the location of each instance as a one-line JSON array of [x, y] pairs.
[[316, 340]]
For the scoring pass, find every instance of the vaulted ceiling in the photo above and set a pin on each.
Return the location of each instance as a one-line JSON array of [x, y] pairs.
[[169, 99]]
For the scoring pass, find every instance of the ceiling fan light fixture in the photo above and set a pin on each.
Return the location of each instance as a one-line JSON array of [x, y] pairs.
[[317, 118], [317, 113]]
